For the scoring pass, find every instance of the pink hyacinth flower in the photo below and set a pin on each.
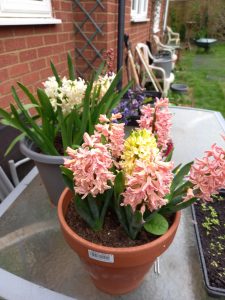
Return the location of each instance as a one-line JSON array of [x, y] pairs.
[[208, 174], [158, 120], [113, 132], [148, 185], [90, 165]]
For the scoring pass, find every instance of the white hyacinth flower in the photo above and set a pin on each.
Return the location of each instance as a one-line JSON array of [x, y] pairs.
[[103, 83], [69, 95]]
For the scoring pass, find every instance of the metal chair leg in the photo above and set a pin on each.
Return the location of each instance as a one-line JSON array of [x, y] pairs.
[[157, 266]]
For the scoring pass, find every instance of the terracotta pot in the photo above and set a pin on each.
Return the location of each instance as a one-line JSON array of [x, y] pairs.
[[115, 271]]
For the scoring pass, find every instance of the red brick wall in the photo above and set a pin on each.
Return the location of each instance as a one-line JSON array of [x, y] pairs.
[[26, 51]]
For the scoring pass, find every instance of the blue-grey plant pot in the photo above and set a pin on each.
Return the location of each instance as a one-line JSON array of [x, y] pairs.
[[48, 167]]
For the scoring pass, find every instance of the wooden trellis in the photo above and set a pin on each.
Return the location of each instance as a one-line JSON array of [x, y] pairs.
[[88, 40]]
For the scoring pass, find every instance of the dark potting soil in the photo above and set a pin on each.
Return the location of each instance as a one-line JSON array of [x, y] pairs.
[[59, 145], [211, 224], [112, 234]]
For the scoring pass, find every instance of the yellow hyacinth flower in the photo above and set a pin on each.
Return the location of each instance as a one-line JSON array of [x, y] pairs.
[[140, 145]]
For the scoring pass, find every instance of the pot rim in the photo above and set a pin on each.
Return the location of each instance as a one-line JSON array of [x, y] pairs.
[[27, 147], [106, 249]]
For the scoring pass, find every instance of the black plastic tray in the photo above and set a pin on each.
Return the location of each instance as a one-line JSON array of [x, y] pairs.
[[211, 290]]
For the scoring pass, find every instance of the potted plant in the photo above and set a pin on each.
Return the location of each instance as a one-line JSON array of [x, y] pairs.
[[130, 105], [121, 210], [58, 117]]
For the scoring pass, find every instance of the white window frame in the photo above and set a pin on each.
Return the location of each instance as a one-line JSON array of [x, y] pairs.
[[139, 11], [25, 12]]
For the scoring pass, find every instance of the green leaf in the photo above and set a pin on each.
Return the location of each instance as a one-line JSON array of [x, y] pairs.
[[183, 205], [176, 169], [73, 124], [54, 71], [157, 225], [75, 146], [107, 198], [179, 177], [9, 120], [149, 215], [48, 115], [85, 115], [175, 201], [103, 139], [99, 109], [110, 99], [170, 206], [71, 70], [46, 104], [30, 96], [28, 120], [94, 209], [131, 221], [33, 131], [4, 114], [63, 129], [28, 106], [169, 157], [119, 184], [23, 127], [13, 143], [83, 210], [181, 189], [68, 177], [95, 96], [69, 125], [137, 220], [99, 71]]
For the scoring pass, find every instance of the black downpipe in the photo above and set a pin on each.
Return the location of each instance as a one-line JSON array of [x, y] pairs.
[[121, 16]]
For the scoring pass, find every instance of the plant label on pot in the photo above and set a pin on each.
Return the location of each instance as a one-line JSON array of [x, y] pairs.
[[109, 258]]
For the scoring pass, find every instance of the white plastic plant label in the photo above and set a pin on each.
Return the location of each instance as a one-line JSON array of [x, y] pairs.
[[109, 258]]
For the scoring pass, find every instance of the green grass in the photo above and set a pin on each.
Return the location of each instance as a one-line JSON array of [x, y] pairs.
[[204, 73]]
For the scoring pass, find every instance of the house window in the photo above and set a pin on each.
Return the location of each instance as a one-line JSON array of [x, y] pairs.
[[22, 12], [139, 10]]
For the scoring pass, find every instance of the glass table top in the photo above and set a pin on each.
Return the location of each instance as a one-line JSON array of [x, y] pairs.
[[32, 246]]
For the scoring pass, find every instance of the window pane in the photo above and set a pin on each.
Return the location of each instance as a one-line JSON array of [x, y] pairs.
[[139, 10], [134, 4], [145, 6], [25, 8]]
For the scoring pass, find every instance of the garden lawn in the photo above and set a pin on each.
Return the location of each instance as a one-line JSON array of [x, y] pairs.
[[204, 73]]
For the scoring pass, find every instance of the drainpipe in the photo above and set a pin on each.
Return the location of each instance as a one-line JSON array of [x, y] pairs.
[[121, 14], [166, 15]]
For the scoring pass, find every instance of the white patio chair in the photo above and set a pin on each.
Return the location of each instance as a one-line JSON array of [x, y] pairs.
[[156, 75], [6, 186], [173, 37], [163, 47]]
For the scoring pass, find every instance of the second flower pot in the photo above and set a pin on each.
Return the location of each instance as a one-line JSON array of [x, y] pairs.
[[115, 271], [48, 167]]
